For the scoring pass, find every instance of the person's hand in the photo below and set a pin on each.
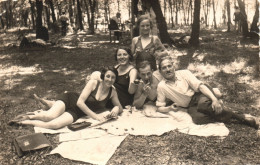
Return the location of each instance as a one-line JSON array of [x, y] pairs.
[[217, 106], [174, 107], [146, 89], [100, 118], [114, 112]]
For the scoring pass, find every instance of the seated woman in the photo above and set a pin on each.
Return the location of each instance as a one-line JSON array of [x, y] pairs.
[[146, 46], [70, 106]]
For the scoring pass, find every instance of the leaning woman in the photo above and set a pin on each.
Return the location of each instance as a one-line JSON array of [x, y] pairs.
[[70, 106]]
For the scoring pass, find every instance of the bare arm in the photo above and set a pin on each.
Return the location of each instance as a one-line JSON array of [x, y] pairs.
[[90, 86], [216, 105], [117, 106], [139, 97], [132, 86], [134, 40]]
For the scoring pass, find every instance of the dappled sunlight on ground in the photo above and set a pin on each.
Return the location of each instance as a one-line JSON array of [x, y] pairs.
[[203, 69]]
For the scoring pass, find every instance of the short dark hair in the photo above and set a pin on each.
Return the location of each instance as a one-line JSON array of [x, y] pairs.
[[104, 70], [143, 64], [144, 17], [128, 51], [161, 59]]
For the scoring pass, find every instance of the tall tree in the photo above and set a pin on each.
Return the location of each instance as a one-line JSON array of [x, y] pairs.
[[52, 11], [243, 17], [254, 26], [171, 12], [32, 13], [194, 40], [214, 14], [79, 15], [228, 14], [160, 20], [92, 5]]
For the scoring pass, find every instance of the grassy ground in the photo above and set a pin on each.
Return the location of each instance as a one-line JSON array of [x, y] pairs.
[[227, 62]]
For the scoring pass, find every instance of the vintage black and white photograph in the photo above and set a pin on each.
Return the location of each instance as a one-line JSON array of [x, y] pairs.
[[129, 82]]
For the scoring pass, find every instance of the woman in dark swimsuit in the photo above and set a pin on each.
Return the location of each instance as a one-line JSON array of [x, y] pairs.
[[124, 84], [70, 106]]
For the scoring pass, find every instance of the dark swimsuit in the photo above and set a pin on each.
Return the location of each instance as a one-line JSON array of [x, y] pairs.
[[70, 99]]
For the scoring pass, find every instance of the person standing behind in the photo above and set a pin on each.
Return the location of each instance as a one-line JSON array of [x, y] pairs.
[[113, 25], [186, 91], [145, 42], [237, 19]]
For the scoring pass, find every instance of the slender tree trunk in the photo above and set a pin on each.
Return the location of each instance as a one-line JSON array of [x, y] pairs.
[[188, 19], [243, 18], [71, 12], [164, 8], [191, 9], [164, 35], [171, 11], [32, 13], [87, 10], [214, 14], [92, 19], [254, 26], [229, 15], [47, 16], [176, 12], [52, 11], [79, 15], [194, 40]]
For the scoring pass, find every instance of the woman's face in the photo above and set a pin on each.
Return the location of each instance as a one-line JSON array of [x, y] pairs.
[[109, 78], [122, 57], [145, 27]]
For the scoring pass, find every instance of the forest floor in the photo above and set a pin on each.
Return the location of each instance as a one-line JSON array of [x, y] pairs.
[[224, 60]]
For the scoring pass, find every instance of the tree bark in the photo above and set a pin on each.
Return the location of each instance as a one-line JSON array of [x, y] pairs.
[[229, 15], [39, 7], [164, 35], [214, 14], [92, 19], [171, 11], [47, 16], [87, 10], [52, 11], [254, 26], [79, 16], [32, 13], [194, 40], [243, 18]]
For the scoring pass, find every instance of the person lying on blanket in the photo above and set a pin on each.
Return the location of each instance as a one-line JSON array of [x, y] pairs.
[[186, 91], [146, 93], [70, 106]]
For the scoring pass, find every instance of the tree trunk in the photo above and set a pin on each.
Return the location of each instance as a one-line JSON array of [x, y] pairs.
[[243, 18], [47, 16], [164, 35], [52, 11], [32, 13], [92, 19], [79, 16], [214, 14], [191, 9], [254, 26], [39, 7], [71, 12], [176, 12], [171, 11], [229, 15], [194, 40], [87, 10]]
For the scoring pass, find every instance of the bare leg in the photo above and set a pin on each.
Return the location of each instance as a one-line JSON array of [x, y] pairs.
[[59, 122], [55, 111], [46, 103]]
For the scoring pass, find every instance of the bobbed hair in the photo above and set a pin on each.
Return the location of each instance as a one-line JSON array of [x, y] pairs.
[[142, 18], [128, 51], [104, 70]]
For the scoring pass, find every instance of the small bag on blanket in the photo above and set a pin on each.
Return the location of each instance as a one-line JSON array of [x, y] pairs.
[[26, 143]]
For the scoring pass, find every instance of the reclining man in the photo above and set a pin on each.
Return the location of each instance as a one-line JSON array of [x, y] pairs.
[[186, 91], [146, 92]]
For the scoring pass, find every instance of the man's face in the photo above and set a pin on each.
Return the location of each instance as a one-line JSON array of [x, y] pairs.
[[167, 69], [146, 74]]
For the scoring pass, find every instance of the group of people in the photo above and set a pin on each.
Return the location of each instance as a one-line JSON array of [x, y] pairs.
[[142, 78]]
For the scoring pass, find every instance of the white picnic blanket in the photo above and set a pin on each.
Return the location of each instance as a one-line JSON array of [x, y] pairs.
[[96, 145]]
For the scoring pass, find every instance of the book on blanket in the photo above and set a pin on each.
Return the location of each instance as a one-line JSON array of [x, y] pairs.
[[26, 143]]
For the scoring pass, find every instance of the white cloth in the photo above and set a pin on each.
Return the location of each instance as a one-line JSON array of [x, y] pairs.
[[95, 151]]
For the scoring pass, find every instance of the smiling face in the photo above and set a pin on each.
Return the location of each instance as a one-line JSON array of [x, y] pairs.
[[109, 78], [167, 69], [122, 57], [146, 74], [145, 27]]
